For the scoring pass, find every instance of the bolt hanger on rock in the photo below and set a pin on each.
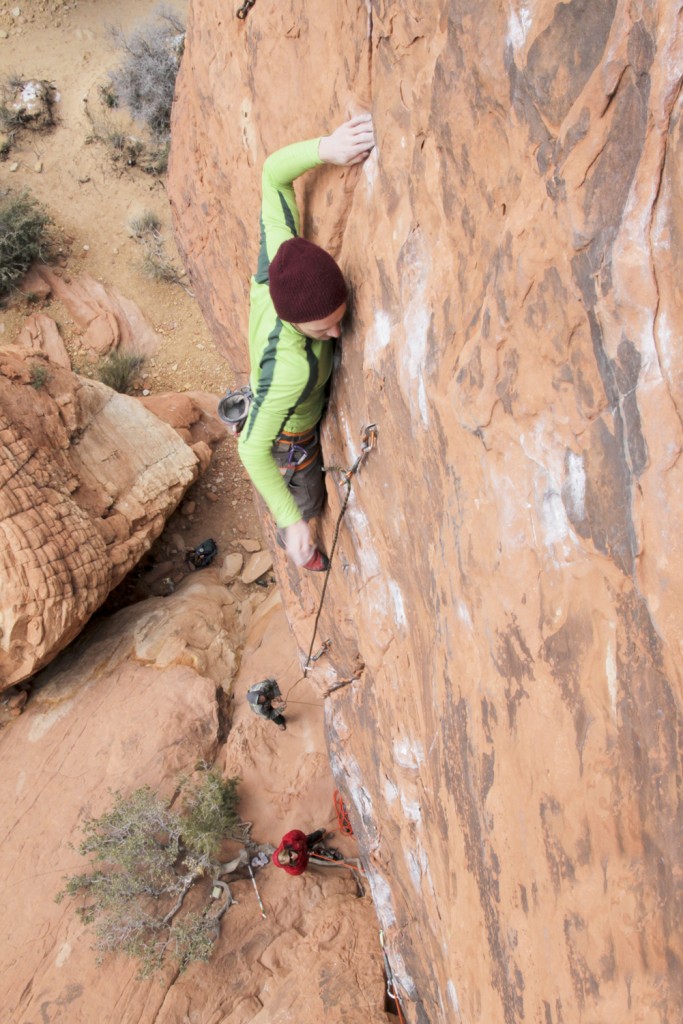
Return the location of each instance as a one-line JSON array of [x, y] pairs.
[[243, 11]]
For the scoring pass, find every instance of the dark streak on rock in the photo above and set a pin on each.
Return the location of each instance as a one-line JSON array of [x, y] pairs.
[[649, 746], [487, 774], [559, 863], [562, 58], [626, 372], [524, 898], [608, 962], [505, 388], [472, 373], [545, 313], [489, 716], [584, 982], [566, 652], [584, 846], [513, 661], [462, 779]]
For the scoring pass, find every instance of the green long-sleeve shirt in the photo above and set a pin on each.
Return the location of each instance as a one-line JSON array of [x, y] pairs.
[[288, 371]]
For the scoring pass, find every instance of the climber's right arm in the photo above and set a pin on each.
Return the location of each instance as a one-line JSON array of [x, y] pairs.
[[348, 144], [279, 212]]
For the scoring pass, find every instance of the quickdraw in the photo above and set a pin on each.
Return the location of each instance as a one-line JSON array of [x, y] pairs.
[[243, 11], [368, 442], [326, 644], [391, 984]]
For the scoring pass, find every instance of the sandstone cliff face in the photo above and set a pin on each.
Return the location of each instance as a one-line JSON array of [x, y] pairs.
[[88, 478], [509, 569]]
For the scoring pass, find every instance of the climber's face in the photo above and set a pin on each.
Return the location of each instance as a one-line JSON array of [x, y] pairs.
[[329, 327]]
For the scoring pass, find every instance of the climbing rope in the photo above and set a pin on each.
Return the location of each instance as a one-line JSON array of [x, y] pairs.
[[243, 11], [368, 441], [343, 819]]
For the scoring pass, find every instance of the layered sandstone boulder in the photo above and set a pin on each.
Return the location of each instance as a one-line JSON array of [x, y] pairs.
[[88, 478], [507, 587]]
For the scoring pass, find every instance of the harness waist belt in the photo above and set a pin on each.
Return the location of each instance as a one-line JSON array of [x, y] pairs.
[[299, 439]]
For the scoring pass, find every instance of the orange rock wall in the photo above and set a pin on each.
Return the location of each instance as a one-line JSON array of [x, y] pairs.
[[507, 587]]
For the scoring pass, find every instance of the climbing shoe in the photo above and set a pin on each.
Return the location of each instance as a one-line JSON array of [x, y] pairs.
[[318, 563], [203, 554]]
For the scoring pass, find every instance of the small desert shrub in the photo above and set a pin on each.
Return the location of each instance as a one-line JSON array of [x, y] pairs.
[[158, 267], [146, 224], [120, 143], [10, 121], [144, 859], [40, 375], [156, 161], [23, 237], [11, 117], [155, 262], [118, 369], [107, 96], [146, 80]]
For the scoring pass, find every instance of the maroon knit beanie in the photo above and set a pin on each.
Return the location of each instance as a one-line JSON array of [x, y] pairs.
[[305, 282]]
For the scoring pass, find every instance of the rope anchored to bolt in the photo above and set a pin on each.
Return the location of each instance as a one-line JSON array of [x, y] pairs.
[[368, 442]]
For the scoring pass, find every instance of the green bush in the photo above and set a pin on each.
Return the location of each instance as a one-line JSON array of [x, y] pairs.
[[144, 859], [40, 375], [118, 370], [209, 813], [23, 237]]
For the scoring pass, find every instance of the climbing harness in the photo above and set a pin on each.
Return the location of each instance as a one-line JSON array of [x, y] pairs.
[[243, 11], [297, 455], [368, 442], [234, 408], [343, 819]]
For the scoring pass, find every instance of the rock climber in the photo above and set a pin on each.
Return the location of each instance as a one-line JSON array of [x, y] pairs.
[[294, 850], [261, 697], [297, 303]]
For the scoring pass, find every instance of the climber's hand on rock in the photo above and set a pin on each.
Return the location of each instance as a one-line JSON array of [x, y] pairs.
[[297, 538], [350, 143]]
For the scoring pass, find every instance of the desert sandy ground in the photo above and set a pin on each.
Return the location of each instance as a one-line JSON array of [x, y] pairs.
[[93, 198]]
